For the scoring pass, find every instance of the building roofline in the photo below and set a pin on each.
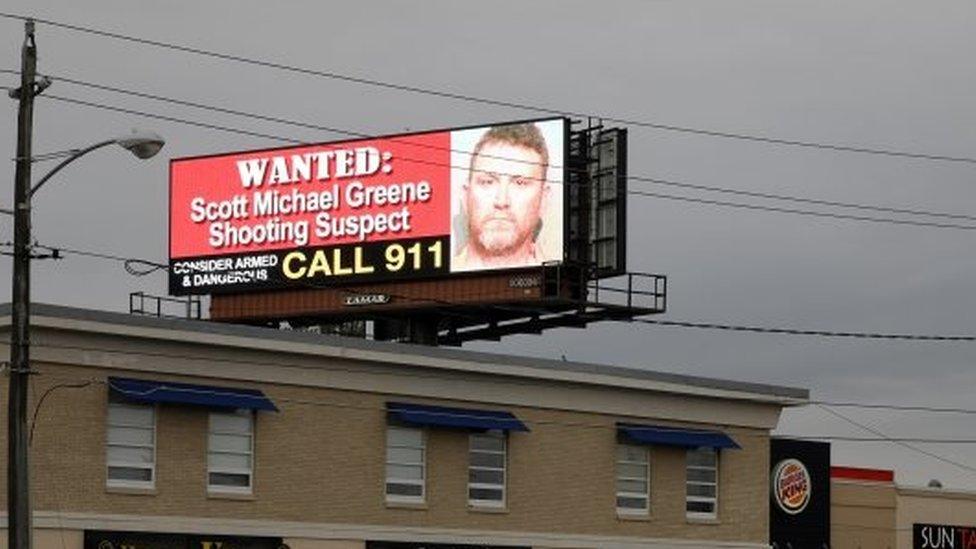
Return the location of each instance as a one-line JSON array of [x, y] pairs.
[[191, 331], [841, 472], [941, 493]]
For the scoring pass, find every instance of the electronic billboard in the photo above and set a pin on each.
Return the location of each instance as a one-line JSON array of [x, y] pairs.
[[420, 205]]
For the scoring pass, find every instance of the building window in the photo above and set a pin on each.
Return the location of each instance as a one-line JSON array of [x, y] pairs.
[[702, 483], [230, 451], [486, 469], [405, 464], [130, 452], [633, 479]]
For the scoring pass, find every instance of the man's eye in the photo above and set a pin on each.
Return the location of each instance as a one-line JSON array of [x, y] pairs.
[[521, 181], [485, 181]]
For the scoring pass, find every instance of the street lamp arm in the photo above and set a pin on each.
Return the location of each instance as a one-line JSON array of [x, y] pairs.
[[77, 154]]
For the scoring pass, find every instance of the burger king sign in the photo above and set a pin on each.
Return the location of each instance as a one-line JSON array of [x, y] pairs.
[[791, 486]]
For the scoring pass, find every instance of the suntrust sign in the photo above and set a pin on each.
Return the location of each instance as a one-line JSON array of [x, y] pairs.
[[941, 536], [416, 205]]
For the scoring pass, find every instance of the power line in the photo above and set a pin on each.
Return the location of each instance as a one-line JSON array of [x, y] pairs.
[[494, 102], [98, 255], [645, 179], [48, 156], [30, 441], [796, 211], [803, 200], [158, 266], [172, 119], [899, 407], [901, 443], [629, 191], [359, 134], [793, 331], [134, 266], [918, 440], [40, 402]]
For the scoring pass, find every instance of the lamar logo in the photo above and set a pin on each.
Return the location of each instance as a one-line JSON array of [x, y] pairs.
[[358, 300], [791, 486]]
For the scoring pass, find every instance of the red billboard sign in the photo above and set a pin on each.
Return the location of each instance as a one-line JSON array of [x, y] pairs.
[[408, 206]]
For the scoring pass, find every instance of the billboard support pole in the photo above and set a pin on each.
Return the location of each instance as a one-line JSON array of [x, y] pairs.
[[419, 329], [423, 330]]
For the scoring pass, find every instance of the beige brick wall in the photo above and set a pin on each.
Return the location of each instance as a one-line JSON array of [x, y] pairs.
[[325, 464], [932, 506], [64, 538], [862, 515]]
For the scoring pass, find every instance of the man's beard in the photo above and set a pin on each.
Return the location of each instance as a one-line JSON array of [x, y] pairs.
[[495, 242]]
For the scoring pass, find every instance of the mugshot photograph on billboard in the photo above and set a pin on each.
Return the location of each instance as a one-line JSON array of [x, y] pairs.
[[366, 210], [507, 196]]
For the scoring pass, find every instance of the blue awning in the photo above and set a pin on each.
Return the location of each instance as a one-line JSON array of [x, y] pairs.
[[149, 391], [673, 436], [458, 418]]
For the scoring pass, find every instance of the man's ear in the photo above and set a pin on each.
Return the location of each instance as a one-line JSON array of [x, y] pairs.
[[463, 197]]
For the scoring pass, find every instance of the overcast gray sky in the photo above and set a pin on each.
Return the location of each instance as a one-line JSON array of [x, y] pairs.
[[895, 75]]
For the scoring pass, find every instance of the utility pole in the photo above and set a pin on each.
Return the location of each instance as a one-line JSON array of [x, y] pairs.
[[18, 471], [143, 145]]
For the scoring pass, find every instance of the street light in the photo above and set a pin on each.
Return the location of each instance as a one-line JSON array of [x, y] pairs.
[[140, 143], [143, 145]]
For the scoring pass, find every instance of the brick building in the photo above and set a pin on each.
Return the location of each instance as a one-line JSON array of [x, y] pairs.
[[870, 510], [156, 433]]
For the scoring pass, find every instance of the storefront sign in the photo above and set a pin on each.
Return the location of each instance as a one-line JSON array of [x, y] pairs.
[[411, 545], [101, 539], [799, 487], [941, 536], [791, 486]]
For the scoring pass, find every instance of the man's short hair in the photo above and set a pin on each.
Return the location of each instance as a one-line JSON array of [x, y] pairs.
[[520, 135]]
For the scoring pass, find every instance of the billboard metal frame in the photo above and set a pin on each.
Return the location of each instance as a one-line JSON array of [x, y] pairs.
[[571, 292]]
